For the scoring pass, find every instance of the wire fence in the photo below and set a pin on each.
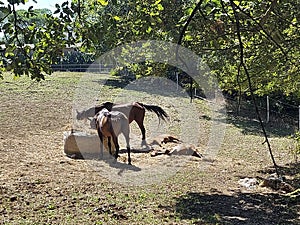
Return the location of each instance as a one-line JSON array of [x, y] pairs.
[[272, 111], [93, 68], [277, 109]]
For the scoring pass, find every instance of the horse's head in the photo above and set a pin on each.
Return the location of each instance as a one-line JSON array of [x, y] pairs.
[[86, 114], [80, 115], [105, 112], [102, 113]]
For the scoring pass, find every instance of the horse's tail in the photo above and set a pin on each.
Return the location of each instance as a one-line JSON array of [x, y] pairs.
[[161, 114]]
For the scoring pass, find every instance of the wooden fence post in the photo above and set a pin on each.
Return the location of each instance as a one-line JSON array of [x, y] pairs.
[[177, 80], [299, 120], [191, 89], [268, 110]]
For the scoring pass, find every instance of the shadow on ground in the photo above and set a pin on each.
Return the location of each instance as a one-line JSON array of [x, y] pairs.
[[251, 126], [238, 209], [117, 82], [149, 85], [107, 159], [247, 120], [290, 173]]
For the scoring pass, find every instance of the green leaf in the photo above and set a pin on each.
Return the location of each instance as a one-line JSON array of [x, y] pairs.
[[103, 2], [149, 30], [189, 11], [117, 18], [9, 54], [236, 2], [188, 37], [31, 27], [160, 7], [64, 4]]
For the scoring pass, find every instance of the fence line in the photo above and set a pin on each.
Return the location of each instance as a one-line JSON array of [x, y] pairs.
[[286, 104], [286, 117], [94, 67]]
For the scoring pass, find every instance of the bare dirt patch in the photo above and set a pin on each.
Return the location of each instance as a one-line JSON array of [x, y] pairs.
[[40, 185]]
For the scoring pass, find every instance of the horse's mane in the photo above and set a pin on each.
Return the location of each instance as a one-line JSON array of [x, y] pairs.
[[92, 111], [104, 105]]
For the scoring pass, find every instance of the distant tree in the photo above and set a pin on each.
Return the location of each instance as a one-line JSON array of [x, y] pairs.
[[27, 19], [24, 27]]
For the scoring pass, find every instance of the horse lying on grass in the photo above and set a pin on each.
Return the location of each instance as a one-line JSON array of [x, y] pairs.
[[110, 125], [181, 149], [133, 111]]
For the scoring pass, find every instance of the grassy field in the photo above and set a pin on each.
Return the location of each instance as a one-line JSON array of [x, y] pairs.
[[40, 185]]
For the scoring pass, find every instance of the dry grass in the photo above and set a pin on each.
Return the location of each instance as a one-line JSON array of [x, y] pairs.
[[40, 185]]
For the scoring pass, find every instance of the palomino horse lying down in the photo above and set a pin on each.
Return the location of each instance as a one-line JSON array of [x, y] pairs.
[[134, 111], [110, 125]]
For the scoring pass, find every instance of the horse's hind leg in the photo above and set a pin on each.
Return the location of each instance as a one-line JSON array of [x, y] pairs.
[[109, 145], [101, 143], [115, 141], [140, 123], [129, 159], [126, 135]]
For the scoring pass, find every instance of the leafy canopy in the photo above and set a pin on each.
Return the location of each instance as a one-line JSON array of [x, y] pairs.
[[269, 31]]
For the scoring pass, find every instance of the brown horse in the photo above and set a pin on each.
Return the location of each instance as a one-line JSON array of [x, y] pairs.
[[110, 125], [134, 111]]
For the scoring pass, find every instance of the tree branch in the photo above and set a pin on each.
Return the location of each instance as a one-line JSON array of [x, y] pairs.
[[268, 13], [182, 33], [243, 65], [260, 26], [188, 22]]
